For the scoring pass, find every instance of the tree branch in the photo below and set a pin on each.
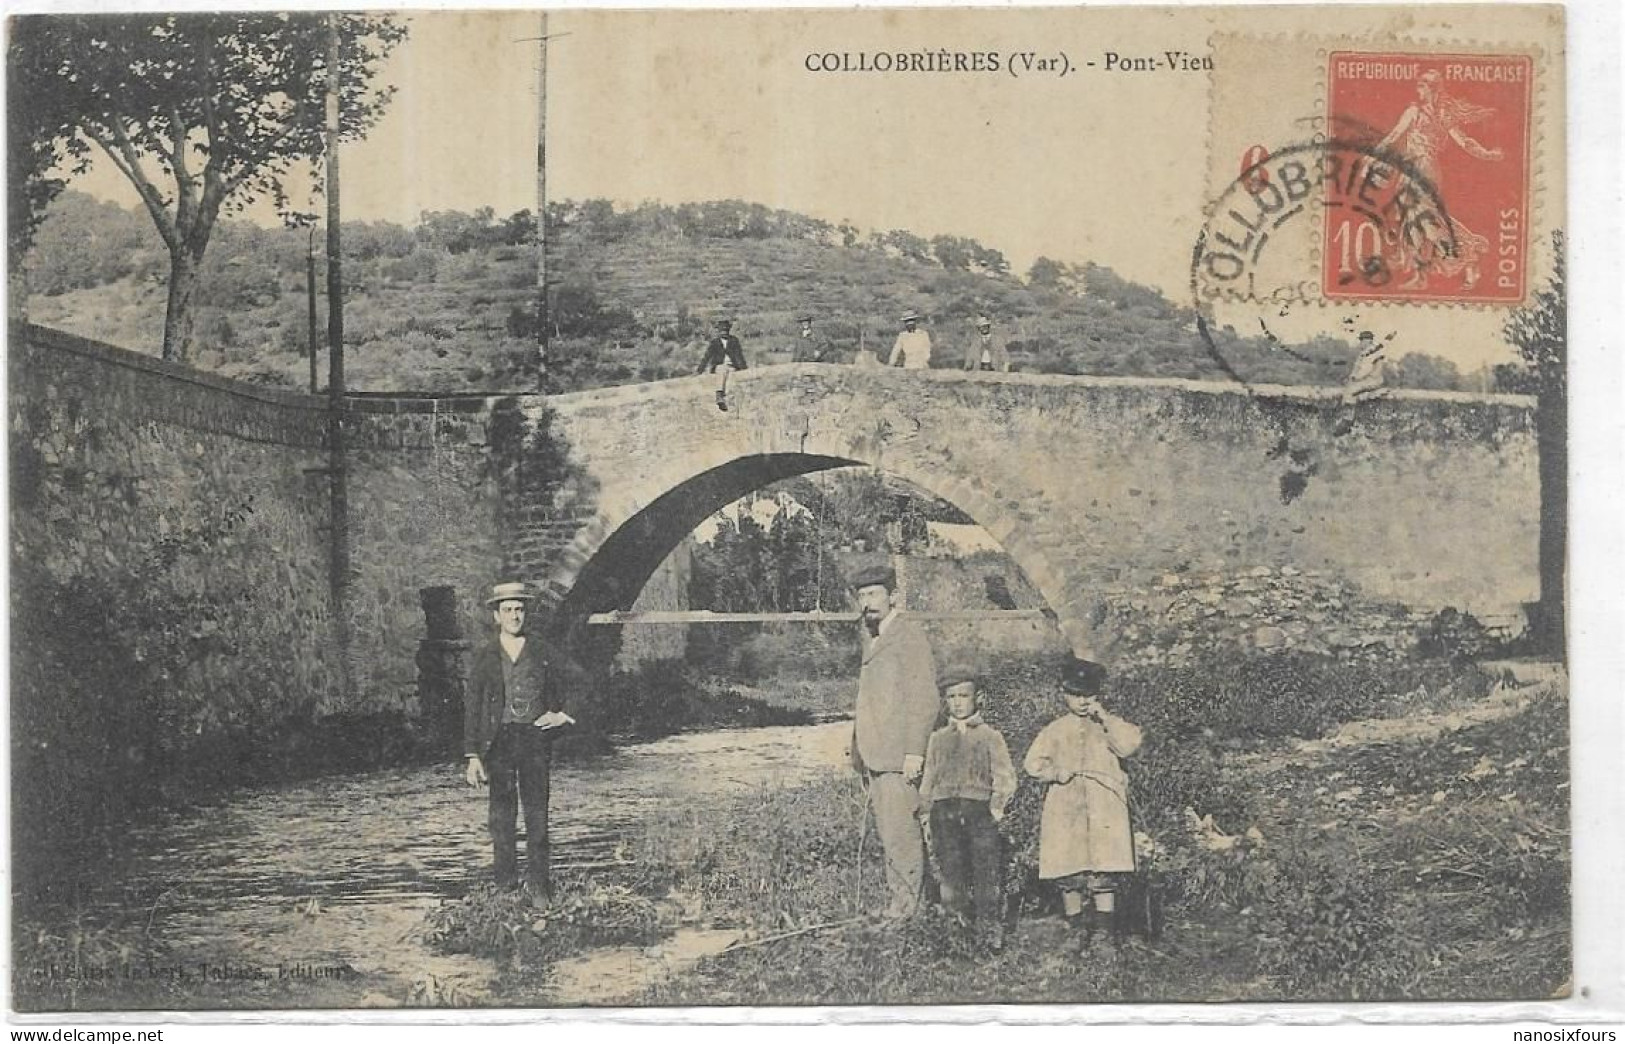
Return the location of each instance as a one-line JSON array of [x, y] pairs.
[[123, 154], [233, 182]]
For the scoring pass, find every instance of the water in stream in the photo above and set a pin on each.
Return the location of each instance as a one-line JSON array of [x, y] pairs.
[[339, 872]]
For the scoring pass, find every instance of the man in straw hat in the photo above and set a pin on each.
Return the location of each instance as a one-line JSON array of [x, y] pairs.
[[897, 707], [912, 350], [511, 711]]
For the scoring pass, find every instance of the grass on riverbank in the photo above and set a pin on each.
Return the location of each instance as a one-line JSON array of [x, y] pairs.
[[1429, 867], [1420, 856]]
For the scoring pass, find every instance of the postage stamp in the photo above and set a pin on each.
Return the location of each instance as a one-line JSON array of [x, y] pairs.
[[1458, 124]]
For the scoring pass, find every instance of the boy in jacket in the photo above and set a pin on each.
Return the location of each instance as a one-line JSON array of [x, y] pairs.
[[969, 779]]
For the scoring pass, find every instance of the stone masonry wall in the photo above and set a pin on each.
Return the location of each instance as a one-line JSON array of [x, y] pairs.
[[1098, 486], [169, 589], [1105, 492], [424, 512], [120, 462]]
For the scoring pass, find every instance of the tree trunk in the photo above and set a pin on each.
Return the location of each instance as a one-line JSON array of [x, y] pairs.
[[1551, 439], [183, 273]]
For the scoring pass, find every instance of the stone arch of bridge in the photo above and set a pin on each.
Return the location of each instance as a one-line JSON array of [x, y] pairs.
[[614, 553]]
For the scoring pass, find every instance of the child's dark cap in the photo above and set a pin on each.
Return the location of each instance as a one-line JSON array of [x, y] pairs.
[[1083, 677]]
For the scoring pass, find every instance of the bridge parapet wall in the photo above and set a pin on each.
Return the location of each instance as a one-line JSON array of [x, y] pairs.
[[169, 571], [1098, 487]]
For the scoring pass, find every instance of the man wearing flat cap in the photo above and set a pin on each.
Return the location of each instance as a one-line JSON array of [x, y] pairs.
[[912, 349], [511, 712], [897, 708]]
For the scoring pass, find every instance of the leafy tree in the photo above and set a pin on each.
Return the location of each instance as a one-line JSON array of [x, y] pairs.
[[86, 242], [953, 252], [993, 262], [1539, 330], [34, 135], [1420, 370], [1049, 274], [456, 232], [201, 112]]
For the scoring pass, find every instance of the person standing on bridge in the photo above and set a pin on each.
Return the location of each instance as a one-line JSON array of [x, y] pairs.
[[986, 351], [897, 709], [512, 710], [725, 352], [912, 349], [810, 346]]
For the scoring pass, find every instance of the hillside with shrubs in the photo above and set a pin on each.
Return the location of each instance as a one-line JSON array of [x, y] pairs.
[[448, 304]]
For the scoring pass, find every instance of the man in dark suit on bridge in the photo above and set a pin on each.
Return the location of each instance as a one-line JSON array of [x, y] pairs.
[[512, 710], [726, 352]]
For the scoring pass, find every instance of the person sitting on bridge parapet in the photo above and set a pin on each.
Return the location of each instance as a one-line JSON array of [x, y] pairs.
[[512, 709], [986, 351], [724, 351], [912, 349], [1365, 379]]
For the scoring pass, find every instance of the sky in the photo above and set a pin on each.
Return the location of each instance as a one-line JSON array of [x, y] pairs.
[[1100, 166]]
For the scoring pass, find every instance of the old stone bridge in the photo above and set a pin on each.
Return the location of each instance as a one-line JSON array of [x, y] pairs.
[[1093, 486]]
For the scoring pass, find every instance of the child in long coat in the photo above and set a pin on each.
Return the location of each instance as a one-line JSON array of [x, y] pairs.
[[1085, 833]]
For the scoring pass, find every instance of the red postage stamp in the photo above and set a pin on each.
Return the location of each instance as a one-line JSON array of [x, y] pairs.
[[1455, 128]]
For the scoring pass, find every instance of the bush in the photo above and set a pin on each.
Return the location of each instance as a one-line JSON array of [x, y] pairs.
[[1247, 698], [1330, 930], [505, 927]]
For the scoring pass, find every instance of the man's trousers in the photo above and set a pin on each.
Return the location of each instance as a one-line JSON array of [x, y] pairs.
[[895, 802], [519, 765]]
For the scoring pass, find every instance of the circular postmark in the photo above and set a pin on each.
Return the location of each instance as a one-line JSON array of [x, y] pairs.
[[1310, 225], [1268, 270]]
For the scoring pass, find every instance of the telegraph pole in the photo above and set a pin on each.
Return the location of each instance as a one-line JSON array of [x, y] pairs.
[[339, 536], [311, 334], [542, 319]]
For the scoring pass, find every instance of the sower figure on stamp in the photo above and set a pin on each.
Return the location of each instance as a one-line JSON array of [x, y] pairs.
[[969, 779], [724, 351], [512, 710], [897, 707], [1421, 136]]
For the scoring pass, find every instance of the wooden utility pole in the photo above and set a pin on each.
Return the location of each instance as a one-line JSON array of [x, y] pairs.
[[542, 318], [339, 536], [312, 338]]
